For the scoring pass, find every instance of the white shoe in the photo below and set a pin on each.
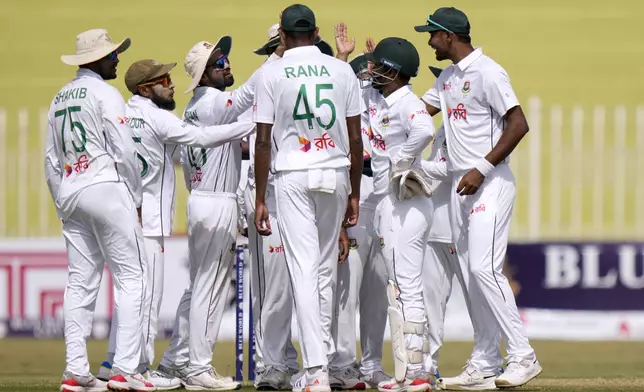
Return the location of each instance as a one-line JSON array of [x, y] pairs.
[[409, 385], [172, 372], [374, 379], [126, 382], [346, 379], [316, 381], [518, 373], [210, 381], [89, 383], [162, 381], [471, 379], [272, 379]]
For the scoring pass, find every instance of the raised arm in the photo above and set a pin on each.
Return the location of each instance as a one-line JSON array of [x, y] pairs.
[[229, 106], [176, 131]]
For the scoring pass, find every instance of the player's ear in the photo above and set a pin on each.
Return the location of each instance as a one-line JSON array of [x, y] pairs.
[[316, 32], [282, 36], [144, 91], [204, 79]]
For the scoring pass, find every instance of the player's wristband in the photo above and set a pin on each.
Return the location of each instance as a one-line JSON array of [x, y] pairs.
[[484, 166]]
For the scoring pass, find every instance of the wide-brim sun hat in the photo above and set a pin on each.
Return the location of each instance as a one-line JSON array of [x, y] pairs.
[[198, 57], [93, 45]]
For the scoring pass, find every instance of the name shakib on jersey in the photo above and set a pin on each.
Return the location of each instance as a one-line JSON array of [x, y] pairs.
[[306, 71], [75, 93]]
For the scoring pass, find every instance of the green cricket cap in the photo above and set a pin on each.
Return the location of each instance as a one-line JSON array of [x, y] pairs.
[[298, 18], [447, 19]]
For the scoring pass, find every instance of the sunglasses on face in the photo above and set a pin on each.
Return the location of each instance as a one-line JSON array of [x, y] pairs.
[[164, 81], [220, 63], [113, 56]]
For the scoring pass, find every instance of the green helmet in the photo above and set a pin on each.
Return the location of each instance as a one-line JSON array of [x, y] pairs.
[[397, 53]]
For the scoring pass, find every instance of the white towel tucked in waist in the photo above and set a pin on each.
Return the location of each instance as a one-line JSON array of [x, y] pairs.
[[322, 180]]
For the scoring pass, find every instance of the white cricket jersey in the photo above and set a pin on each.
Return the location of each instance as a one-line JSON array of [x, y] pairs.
[[157, 134], [217, 169], [401, 129], [476, 94], [88, 142], [307, 96], [435, 167]]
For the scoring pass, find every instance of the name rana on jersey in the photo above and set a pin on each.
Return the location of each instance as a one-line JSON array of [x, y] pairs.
[[306, 71], [75, 93]]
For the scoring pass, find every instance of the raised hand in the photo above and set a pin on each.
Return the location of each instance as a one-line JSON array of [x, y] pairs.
[[370, 45], [343, 45]]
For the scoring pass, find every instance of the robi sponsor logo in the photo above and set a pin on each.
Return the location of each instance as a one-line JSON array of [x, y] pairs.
[[458, 113], [306, 144], [275, 249], [478, 208]]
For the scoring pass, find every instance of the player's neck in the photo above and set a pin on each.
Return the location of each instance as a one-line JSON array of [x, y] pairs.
[[391, 88], [292, 44], [461, 52]]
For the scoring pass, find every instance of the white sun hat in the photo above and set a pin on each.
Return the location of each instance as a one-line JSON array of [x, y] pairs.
[[273, 40], [198, 56], [93, 45]]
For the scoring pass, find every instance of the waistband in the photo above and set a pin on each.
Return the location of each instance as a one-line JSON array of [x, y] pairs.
[[218, 195]]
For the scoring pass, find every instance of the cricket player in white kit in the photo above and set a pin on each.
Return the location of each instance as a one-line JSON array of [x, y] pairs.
[[363, 278], [272, 303], [310, 101], [401, 129], [212, 175], [93, 176], [440, 258], [157, 134], [483, 124]]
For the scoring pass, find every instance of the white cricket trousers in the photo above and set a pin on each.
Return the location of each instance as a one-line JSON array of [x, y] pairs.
[[362, 281], [271, 291], [104, 228], [153, 273], [212, 229], [480, 226], [441, 263], [404, 227], [310, 225]]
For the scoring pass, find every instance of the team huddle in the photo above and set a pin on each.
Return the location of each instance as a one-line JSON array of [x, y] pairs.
[[343, 215]]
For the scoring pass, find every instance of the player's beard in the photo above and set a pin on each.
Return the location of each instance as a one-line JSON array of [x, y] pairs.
[[164, 103], [229, 80]]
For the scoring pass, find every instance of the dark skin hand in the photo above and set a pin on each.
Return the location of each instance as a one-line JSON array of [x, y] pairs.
[[262, 165], [355, 171], [343, 243], [516, 127]]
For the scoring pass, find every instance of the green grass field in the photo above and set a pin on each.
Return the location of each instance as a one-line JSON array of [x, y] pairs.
[[36, 365], [565, 52]]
